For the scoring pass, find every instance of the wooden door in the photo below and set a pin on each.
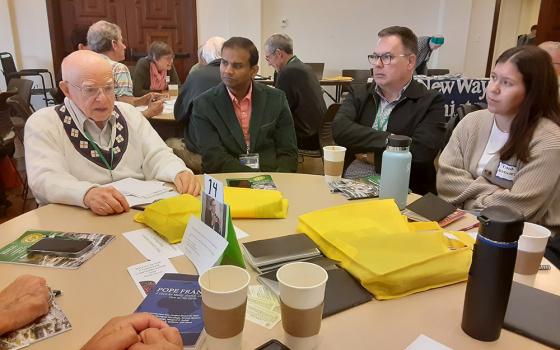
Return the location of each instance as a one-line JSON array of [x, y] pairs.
[[141, 22], [549, 21], [170, 21]]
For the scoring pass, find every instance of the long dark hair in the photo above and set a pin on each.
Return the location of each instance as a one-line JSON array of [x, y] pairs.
[[541, 98]]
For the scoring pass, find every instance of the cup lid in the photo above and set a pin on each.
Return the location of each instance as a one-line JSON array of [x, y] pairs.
[[501, 224], [398, 141]]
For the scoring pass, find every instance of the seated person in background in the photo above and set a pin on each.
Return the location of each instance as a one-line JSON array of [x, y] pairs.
[[155, 71], [528, 39], [202, 79], [72, 149], [394, 104], [106, 39], [302, 89], [426, 45], [28, 298], [509, 154], [22, 302], [243, 122]]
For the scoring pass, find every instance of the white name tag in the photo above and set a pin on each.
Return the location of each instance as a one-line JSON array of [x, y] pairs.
[[506, 171]]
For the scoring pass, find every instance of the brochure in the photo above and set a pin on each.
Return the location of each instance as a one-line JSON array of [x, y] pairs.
[[177, 300], [147, 274], [261, 182], [367, 187], [16, 252], [53, 323]]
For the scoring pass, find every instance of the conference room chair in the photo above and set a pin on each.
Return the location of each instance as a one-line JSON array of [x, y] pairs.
[[192, 160], [359, 76], [24, 88], [7, 138], [10, 72], [20, 112], [459, 114], [325, 135]]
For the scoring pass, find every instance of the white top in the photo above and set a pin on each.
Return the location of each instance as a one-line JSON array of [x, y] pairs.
[[58, 173], [496, 141]]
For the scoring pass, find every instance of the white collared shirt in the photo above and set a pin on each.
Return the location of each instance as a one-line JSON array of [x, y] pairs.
[[103, 137]]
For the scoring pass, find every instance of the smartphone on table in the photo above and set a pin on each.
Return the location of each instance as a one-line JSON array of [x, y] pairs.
[[273, 344], [71, 248]]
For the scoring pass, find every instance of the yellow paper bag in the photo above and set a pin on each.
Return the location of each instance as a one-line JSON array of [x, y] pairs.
[[248, 203], [389, 256], [169, 217]]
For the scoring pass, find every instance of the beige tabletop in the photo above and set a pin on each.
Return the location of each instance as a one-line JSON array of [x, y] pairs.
[[102, 288]]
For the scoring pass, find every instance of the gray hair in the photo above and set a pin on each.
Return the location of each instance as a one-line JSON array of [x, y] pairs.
[[551, 45], [212, 49], [279, 42], [101, 34]]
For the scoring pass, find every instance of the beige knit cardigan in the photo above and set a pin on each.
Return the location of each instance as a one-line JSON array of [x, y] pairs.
[[535, 190]]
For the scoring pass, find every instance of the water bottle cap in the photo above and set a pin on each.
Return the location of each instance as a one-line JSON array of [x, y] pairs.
[[501, 224], [398, 141]]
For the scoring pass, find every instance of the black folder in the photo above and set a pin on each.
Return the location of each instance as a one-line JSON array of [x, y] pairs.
[[431, 207], [534, 314]]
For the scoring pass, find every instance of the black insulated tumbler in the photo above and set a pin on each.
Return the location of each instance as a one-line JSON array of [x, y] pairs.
[[491, 272]]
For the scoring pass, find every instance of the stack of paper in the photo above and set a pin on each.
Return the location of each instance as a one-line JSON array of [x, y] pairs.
[[263, 307], [142, 192], [168, 106]]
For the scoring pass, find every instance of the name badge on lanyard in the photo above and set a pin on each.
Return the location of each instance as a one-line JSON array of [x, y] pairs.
[[250, 159], [506, 171]]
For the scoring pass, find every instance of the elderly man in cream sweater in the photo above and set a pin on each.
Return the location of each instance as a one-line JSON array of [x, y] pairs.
[[91, 140]]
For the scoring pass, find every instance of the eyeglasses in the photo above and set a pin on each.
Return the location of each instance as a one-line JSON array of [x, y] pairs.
[[267, 57], [92, 91], [386, 58]]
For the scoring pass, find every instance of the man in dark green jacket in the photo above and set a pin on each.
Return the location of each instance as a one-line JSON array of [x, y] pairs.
[[241, 125]]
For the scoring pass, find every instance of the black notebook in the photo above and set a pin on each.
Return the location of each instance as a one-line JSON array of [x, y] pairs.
[[431, 207], [535, 314], [341, 292], [267, 254]]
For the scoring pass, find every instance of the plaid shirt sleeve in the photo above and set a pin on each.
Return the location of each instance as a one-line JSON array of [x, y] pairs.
[[123, 80]]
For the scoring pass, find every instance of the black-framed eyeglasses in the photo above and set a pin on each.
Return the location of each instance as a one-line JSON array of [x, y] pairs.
[[386, 58], [93, 91]]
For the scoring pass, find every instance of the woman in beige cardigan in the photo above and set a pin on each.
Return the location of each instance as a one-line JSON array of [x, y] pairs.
[[509, 154]]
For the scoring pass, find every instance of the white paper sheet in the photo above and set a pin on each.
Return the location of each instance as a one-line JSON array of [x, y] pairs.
[[147, 274], [152, 246], [202, 245], [139, 188], [426, 343]]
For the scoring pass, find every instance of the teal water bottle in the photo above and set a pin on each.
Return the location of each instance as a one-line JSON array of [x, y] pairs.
[[395, 169]]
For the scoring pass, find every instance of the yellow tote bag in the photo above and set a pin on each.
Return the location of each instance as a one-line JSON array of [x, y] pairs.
[[389, 256], [250, 203], [169, 217]]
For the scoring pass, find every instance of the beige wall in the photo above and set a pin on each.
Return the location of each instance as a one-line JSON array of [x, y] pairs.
[[478, 44]]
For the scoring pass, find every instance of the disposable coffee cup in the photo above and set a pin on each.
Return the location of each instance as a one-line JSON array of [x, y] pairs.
[[173, 89], [224, 300], [302, 291], [333, 162], [530, 248]]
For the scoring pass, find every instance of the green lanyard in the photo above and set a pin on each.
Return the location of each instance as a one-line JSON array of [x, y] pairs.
[[100, 154], [381, 120]]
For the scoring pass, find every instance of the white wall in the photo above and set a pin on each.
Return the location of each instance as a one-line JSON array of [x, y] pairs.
[[478, 43], [229, 18], [529, 15]]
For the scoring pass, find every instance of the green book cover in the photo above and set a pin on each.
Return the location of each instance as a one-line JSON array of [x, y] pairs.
[[16, 251], [260, 182]]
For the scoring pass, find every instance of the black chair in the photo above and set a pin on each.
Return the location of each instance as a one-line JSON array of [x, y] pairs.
[[325, 134], [10, 71], [20, 112], [7, 138], [452, 122], [359, 76], [24, 87]]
